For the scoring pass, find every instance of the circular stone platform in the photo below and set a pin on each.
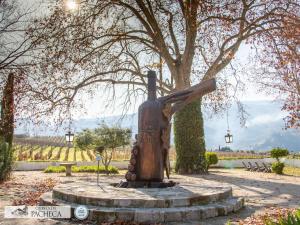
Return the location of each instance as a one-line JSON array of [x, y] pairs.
[[173, 204]]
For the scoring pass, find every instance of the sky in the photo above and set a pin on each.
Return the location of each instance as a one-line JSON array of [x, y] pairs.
[[95, 107], [265, 116]]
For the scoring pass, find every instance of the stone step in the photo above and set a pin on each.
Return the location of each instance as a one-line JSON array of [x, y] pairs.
[[109, 196], [154, 215]]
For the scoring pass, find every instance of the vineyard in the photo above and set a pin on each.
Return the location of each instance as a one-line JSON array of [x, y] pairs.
[[56, 149], [48, 149]]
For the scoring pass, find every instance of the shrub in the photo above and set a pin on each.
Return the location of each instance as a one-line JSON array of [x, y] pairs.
[[277, 167], [276, 153], [6, 160], [279, 152], [110, 138], [290, 220], [107, 137], [211, 158], [55, 169], [79, 169]]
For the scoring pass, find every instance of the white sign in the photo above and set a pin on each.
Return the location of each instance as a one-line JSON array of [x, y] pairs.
[[81, 212], [98, 158], [38, 212]]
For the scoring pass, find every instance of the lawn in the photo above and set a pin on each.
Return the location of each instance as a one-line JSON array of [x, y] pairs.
[[293, 171]]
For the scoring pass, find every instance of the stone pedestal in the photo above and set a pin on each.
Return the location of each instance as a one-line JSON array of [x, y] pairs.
[[152, 205], [68, 168]]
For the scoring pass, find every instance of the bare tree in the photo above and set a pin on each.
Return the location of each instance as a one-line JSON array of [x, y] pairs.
[[281, 76], [15, 49], [17, 52], [15, 45], [113, 42]]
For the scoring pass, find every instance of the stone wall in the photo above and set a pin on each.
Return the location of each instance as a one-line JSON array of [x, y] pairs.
[[236, 163]]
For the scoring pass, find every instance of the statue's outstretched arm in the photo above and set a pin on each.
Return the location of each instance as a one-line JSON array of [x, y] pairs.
[[179, 99]]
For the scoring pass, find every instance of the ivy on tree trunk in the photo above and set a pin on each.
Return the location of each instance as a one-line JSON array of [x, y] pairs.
[[7, 128], [189, 140]]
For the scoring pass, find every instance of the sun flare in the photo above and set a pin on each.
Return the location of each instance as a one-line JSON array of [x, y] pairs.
[[71, 5]]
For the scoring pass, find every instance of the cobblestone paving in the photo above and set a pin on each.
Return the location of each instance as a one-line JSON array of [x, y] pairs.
[[260, 191]]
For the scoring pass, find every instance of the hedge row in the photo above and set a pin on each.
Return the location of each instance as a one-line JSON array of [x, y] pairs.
[[79, 169]]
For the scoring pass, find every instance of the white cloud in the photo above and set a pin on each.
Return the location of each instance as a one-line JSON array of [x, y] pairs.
[[265, 119]]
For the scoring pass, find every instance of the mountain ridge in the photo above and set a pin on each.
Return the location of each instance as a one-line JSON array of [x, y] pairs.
[[263, 129]]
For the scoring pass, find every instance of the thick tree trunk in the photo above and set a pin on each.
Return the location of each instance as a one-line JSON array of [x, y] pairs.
[[189, 132], [7, 129], [7, 111], [189, 140]]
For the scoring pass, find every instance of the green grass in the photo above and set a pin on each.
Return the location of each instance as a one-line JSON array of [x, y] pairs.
[[293, 171], [55, 169], [79, 169]]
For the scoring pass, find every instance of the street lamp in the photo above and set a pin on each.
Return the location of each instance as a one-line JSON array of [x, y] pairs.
[[69, 137], [228, 137]]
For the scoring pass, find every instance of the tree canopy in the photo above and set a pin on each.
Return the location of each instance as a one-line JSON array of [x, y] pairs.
[[115, 41], [107, 43], [108, 137]]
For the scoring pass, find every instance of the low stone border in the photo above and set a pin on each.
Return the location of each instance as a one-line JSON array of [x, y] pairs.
[[236, 163], [190, 200], [178, 196], [155, 215]]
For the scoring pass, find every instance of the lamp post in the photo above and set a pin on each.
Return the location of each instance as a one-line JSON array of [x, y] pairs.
[[99, 150], [228, 137], [69, 137]]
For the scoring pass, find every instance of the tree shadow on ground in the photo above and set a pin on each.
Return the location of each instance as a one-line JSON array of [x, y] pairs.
[[261, 187], [260, 192]]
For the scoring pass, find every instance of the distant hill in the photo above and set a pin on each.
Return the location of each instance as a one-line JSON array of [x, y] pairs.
[[264, 128]]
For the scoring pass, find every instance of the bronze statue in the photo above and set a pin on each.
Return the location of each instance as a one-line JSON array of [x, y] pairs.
[[150, 153]]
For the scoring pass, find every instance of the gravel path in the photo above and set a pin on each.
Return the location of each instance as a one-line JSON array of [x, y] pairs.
[[261, 191]]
